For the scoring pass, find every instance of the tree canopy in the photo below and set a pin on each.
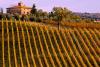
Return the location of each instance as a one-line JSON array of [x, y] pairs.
[[34, 10], [58, 14]]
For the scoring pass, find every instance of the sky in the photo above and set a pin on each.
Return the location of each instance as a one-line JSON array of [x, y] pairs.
[[91, 6]]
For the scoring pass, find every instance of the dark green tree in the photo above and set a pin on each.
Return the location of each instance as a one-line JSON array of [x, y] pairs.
[[34, 10], [1, 10], [17, 16]]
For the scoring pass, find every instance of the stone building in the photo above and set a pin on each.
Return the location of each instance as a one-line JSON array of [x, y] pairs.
[[19, 9]]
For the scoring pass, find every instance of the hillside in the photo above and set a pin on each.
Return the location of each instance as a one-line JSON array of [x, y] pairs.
[[26, 44], [93, 16]]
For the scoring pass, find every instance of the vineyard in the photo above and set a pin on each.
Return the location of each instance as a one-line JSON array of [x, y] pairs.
[[26, 44]]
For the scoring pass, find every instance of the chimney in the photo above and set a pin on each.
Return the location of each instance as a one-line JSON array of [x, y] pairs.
[[20, 3]]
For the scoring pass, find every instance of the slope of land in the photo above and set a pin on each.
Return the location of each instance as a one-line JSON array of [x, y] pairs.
[[25, 44]]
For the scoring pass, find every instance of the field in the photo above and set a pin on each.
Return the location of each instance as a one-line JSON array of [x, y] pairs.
[[26, 44]]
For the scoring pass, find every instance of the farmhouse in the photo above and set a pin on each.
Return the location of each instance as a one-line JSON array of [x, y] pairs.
[[19, 9]]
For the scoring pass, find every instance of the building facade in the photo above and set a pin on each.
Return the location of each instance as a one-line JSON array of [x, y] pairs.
[[19, 9]]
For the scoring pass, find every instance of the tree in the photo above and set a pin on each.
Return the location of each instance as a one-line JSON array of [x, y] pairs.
[[1, 16], [32, 18], [17, 16], [59, 14], [8, 16], [1, 10], [25, 17], [42, 14], [34, 10]]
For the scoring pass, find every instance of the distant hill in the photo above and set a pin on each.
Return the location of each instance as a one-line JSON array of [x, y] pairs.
[[94, 16]]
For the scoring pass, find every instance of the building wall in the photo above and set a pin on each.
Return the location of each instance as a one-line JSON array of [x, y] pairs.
[[14, 10], [18, 11], [25, 11]]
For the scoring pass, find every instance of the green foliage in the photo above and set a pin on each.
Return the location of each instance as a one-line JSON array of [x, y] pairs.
[[60, 13], [34, 10], [17, 16], [1, 10], [63, 14], [2, 16], [25, 17], [42, 14], [8, 16], [32, 18]]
